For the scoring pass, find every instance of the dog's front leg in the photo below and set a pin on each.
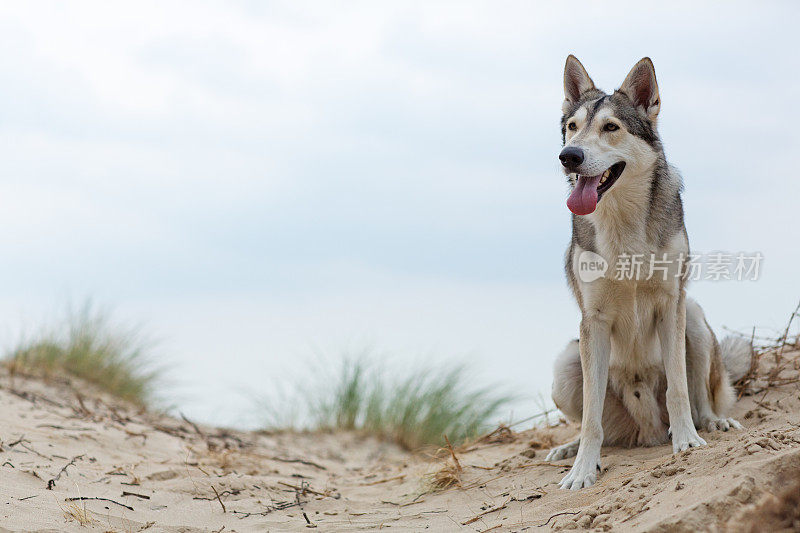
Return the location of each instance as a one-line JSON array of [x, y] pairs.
[[672, 334], [595, 348]]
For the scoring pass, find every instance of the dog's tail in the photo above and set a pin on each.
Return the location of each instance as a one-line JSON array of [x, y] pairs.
[[737, 356]]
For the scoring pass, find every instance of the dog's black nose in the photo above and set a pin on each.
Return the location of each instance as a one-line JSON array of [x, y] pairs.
[[571, 157]]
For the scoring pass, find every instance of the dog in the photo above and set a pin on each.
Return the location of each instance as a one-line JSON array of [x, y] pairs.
[[647, 365]]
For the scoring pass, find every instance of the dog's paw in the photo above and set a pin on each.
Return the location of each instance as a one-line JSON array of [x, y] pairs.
[[685, 439], [722, 424], [565, 451], [582, 474]]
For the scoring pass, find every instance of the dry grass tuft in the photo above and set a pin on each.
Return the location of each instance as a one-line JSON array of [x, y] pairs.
[[79, 514], [770, 366], [87, 345], [449, 475], [502, 434]]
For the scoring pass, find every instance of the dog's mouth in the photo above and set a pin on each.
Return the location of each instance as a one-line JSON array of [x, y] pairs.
[[589, 189]]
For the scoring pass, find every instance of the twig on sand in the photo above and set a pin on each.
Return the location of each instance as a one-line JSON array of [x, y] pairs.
[[232, 492], [394, 478], [142, 496], [30, 449], [85, 498], [544, 463], [557, 514], [280, 506], [31, 397], [302, 489], [270, 509], [301, 461], [52, 482], [219, 499], [484, 513], [12, 444], [194, 426]]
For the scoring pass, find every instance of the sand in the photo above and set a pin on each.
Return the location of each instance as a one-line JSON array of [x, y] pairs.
[[145, 472]]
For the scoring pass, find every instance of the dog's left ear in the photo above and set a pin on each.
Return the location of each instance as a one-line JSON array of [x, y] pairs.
[[641, 87]]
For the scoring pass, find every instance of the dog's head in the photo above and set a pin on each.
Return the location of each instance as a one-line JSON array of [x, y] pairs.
[[609, 140]]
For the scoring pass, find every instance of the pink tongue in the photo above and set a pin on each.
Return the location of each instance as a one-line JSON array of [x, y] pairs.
[[583, 199]]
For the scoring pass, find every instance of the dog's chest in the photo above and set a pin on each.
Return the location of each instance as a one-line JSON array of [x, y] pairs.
[[634, 339], [632, 310]]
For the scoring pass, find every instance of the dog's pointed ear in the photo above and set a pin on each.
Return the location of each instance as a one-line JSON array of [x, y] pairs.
[[642, 88], [576, 82]]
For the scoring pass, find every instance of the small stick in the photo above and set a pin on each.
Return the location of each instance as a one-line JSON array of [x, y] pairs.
[[142, 496], [12, 444], [544, 413], [219, 499], [401, 476], [223, 493], [85, 498], [453, 453], [481, 515], [555, 515], [302, 489], [301, 461], [197, 429], [30, 449], [52, 482]]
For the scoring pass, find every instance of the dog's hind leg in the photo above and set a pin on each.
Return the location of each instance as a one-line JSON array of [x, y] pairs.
[[565, 451], [568, 395], [710, 391], [568, 382]]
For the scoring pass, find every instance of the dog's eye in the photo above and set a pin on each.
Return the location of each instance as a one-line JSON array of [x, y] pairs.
[[610, 126], [572, 126]]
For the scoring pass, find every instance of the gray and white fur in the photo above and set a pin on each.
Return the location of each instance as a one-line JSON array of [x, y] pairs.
[[647, 364]]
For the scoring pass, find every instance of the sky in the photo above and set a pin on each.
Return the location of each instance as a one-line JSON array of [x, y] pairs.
[[267, 185]]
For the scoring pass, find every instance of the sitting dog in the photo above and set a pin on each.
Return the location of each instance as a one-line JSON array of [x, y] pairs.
[[647, 364]]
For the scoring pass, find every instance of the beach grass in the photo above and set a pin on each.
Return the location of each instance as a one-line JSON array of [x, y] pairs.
[[88, 345], [415, 408]]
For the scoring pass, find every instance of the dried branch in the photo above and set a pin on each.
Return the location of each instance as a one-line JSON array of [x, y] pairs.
[[219, 499], [86, 498], [52, 482], [300, 461]]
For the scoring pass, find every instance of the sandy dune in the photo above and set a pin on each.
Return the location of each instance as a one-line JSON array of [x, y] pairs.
[[140, 471]]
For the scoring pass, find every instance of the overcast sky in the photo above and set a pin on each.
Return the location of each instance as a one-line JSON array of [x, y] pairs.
[[258, 182]]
